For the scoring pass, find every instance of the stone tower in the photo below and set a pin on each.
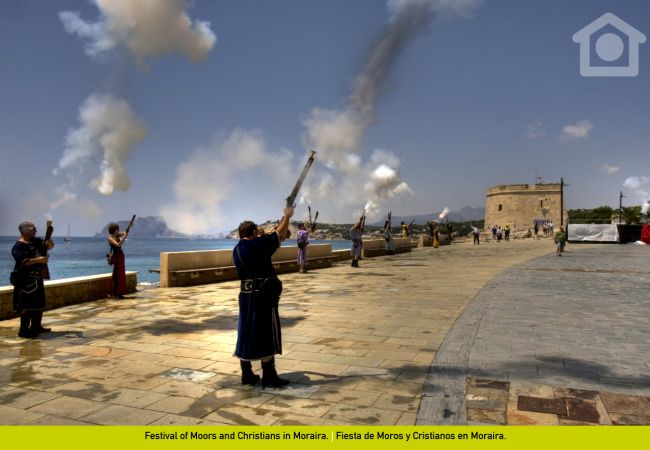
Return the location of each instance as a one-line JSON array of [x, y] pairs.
[[519, 205]]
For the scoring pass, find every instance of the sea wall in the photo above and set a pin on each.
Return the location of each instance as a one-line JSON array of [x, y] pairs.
[[211, 266], [69, 291]]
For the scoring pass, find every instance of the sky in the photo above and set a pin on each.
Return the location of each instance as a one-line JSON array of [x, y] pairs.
[[203, 112]]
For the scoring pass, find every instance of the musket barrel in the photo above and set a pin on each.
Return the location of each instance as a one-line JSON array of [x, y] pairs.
[[294, 193]]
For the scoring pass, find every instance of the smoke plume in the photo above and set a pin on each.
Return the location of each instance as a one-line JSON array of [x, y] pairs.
[[207, 178], [147, 28], [106, 135], [338, 134], [640, 186], [443, 213]]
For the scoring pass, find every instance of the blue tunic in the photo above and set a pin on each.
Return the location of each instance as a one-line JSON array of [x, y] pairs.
[[390, 245], [303, 238], [258, 330], [357, 242]]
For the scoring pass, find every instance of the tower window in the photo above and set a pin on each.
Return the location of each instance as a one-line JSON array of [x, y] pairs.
[[541, 203], [500, 207]]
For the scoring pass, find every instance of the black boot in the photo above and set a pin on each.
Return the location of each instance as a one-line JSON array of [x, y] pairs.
[[37, 327], [247, 375], [24, 331], [270, 377]]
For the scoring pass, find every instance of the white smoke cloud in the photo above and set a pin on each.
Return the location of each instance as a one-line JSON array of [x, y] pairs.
[[463, 8], [373, 183], [640, 185], [609, 170], [209, 175], [578, 130], [372, 209], [338, 135], [147, 28], [636, 183], [443, 213], [107, 133]]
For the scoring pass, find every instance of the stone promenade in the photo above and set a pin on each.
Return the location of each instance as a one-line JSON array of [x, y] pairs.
[[358, 344], [551, 341]]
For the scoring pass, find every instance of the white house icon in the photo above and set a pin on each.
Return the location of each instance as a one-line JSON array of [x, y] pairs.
[[609, 47]]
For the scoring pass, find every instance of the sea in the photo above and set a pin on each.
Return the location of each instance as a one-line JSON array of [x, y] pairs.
[[87, 255]]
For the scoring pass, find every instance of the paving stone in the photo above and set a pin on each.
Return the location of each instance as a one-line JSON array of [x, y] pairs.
[[120, 415], [299, 406], [626, 404], [69, 407], [486, 416], [186, 374], [132, 397], [363, 414], [174, 420], [629, 419], [15, 416], [25, 398], [241, 415]]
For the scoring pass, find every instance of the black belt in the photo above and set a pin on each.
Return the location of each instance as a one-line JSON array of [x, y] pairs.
[[252, 285]]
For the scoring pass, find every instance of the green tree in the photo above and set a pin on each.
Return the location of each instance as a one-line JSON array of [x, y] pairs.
[[631, 214]]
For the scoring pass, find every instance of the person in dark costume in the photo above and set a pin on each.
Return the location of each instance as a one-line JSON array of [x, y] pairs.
[[116, 240], [259, 334], [29, 290], [356, 236]]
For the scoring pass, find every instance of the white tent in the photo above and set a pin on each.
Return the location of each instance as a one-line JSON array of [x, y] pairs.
[[592, 232]]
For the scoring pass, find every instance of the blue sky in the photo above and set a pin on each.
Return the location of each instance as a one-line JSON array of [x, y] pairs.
[[454, 111]]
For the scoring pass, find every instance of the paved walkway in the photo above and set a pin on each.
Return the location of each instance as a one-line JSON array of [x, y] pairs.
[[565, 331], [358, 347]]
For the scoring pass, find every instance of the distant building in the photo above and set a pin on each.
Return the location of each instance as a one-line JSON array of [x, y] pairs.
[[521, 205]]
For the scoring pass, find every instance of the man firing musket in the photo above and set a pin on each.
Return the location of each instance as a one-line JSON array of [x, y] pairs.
[[258, 332], [302, 240], [388, 235], [356, 236]]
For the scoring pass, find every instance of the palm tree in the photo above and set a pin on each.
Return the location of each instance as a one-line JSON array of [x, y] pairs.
[[631, 214]]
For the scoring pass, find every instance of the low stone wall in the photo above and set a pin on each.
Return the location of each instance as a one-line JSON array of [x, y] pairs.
[[211, 266], [425, 241], [69, 291], [342, 255], [377, 247]]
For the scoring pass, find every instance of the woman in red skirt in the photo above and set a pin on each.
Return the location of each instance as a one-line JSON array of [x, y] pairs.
[[116, 240]]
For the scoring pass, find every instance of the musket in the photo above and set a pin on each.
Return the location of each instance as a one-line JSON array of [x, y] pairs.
[[313, 225], [309, 209], [45, 271], [363, 220], [291, 199], [128, 228], [388, 221], [412, 221]]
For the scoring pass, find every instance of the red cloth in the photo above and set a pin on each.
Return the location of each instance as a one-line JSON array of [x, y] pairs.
[[645, 233], [118, 282]]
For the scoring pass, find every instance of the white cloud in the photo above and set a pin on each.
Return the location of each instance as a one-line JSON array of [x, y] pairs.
[[147, 28], [578, 130], [609, 170], [535, 130]]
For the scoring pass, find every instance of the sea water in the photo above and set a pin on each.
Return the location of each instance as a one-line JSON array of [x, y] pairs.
[[87, 255]]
